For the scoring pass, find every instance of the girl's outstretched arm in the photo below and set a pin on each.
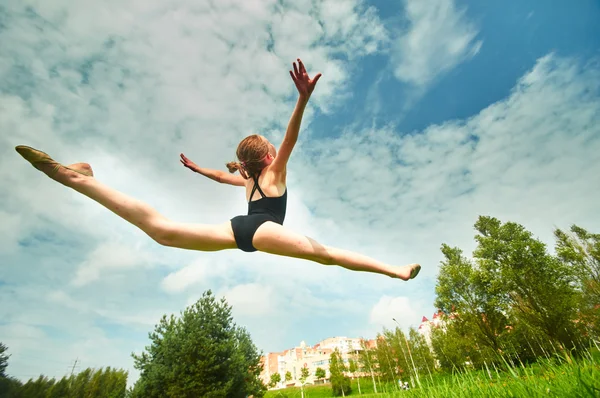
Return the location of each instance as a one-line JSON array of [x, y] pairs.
[[216, 175], [305, 86]]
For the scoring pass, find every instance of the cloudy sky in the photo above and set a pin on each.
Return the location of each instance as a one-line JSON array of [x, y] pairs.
[[429, 113]]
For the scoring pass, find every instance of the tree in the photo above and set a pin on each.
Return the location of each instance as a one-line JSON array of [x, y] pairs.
[[10, 387], [201, 353], [353, 367], [580, 250], [107, 383], [3, 359], [288, 376], [538, 287], [304, 373], [476, 294], [60, 389], [80, 382], [368, 361], [275, 378], [340, 383], [36, 388], [386, 357], [320, 373]]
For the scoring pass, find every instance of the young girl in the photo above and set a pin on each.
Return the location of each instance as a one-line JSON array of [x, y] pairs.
[[263, 174]]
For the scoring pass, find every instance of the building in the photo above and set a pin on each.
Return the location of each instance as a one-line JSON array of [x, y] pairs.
[[427, 326], [317, 356]]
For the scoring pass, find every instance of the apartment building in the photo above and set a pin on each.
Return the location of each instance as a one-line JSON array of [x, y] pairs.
[[317, 356]]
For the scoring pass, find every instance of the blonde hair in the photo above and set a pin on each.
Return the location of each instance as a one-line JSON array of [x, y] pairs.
[[251, 153]]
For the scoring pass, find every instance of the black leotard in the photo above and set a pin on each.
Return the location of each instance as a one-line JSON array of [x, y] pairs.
[[259, 211]]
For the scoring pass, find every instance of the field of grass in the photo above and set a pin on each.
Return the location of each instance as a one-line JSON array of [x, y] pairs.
[[549, 378]]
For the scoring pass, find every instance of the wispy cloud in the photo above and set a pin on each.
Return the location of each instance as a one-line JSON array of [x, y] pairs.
[[438, 36], [127, 87], [522, 158]]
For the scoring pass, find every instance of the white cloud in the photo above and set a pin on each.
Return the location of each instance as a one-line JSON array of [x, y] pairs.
[[528, 158], [194, 273], [400, 308], [439, 36], [251, 300], [127, 87], [10, 228], [109, 256]]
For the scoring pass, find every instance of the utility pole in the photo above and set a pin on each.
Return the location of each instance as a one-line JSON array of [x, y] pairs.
[[72, 370], [75, 364]]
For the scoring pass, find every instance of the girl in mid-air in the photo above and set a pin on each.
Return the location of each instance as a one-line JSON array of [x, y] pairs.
[[262, 172]]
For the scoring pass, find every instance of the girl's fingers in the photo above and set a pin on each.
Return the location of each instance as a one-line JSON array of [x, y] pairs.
[[296, 69]]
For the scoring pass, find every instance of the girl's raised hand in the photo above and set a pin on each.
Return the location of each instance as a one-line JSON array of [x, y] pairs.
[[304, 83], [188, 163]]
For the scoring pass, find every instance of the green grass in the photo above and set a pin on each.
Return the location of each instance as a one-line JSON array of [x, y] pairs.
[[547, 378]]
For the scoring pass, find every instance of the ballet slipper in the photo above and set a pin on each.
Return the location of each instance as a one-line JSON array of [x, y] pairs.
[[416, 268], [37, 158]]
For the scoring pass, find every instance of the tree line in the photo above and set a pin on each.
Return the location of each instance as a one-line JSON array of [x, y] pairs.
[[512, 302], [201, 353], [90, 383]]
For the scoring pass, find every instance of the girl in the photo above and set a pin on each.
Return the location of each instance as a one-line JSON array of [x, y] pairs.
[[262, 172]]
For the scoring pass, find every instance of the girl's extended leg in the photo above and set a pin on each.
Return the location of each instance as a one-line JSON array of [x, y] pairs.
[[275, 239], [165, 232]]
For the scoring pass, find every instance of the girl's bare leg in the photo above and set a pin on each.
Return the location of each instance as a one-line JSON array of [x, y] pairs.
[[165, 232], [275, 239]]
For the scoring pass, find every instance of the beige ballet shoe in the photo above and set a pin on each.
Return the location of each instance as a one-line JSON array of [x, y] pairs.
[[416, 268], [37, 158]]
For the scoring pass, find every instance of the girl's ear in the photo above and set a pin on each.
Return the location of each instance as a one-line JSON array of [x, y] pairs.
[[269, 159]]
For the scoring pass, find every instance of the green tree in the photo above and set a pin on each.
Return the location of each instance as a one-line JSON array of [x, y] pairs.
[[10, 387], [450, 346], [368, 361], [304, 373], [478, 295], [353, 367], [387, 357], [288, 376], [79, 383], [108, 383], [37, 388], [538, 287], [422, 357], [340, 383], [275, 378], [3, 359], [580, 250], [320, 373], [60, 389], [202, 353]]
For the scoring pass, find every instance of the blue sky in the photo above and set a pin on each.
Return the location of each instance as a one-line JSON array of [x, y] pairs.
[[429, 113]]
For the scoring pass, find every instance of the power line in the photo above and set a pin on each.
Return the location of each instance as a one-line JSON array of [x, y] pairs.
[[38, 359]]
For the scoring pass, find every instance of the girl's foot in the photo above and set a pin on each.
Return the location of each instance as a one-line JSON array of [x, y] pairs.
[[408, 272], [43, 162]]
